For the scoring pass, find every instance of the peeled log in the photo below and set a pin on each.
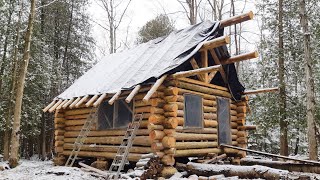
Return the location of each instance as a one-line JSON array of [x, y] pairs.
[[196, 152], [168, 142], [200, 131], [168, 160], [138, 140], [156, 102], [170, 107], [157, 146], [149, 109], [207, 123], [108, 155], [79, 111], [156, 135], [174, 98], [107, 148], [78, 128], [168, 171], [170, 123], [243, 172], [196, 145], [156, 119], [81, 116], [193, 137], [199, 88], [111, 132], [152, 127]]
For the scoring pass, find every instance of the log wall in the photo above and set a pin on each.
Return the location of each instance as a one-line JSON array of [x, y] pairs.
[[161, 130]]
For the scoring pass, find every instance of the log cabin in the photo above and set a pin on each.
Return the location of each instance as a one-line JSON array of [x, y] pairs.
[[185, 86]]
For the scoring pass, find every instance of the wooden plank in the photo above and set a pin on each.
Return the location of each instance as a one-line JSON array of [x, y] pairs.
[[236, 19], [154, 88], [133, 93], [269, 154]]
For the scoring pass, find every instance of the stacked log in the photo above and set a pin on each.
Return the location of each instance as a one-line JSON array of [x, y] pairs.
[[241, 108], [192, 142], [59, 124]]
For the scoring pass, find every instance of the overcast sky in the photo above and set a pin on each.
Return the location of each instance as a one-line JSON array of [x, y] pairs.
[[142, 11]]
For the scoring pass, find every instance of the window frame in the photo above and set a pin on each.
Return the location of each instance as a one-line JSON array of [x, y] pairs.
[[115, 114], [185, 112]]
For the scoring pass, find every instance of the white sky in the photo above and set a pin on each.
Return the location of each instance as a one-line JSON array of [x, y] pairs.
[[142, 11]]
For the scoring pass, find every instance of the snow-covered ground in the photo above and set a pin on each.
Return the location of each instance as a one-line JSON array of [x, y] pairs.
[[44, 170]]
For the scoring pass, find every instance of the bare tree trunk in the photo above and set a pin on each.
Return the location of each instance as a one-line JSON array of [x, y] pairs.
[[6, 147], [192, 4], [283, 123], [15, 136], [313, 149]]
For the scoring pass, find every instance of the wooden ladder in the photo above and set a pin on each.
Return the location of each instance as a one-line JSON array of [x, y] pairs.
[[122, 154], [82, 136]]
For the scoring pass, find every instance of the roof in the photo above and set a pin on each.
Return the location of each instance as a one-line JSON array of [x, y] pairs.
[[124, 70]]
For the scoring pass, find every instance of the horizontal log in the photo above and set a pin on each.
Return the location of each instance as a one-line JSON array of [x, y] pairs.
[[240, 57], [152, 127], [193, 72], [207, 123], [247, 127], [220, 41], [156, 135], [157, 94], [59, 126], [193, 136], [247, 92], [199, 88], [149, 109], [59, 132], [109, 155], [174, 98], [155, 102], [168, 160], [79, 111], [59, 120], [138, 140], [196, 152], [192, 81], [111, 132], [168, 142], [202, 131], [78, 128], [107, 148], [157, 146], [170, 123], [75, 122], [81, 116], [156, 119], [196, 145], [58, 138], [236, 19], [178, 113], [58, 143]]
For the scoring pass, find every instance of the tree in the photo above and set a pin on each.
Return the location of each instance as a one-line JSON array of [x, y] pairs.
[[158, 27], [114, 21], [15, 137], [312, 144], [283, 123], [191, 9]]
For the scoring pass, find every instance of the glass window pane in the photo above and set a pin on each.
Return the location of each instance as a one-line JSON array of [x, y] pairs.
[[193, 112]]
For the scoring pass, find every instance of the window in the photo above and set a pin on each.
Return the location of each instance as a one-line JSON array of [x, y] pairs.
[[223, 114], [115, 116], [193, 111]]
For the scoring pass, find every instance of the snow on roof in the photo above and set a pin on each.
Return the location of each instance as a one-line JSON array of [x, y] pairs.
[[124, 70]]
